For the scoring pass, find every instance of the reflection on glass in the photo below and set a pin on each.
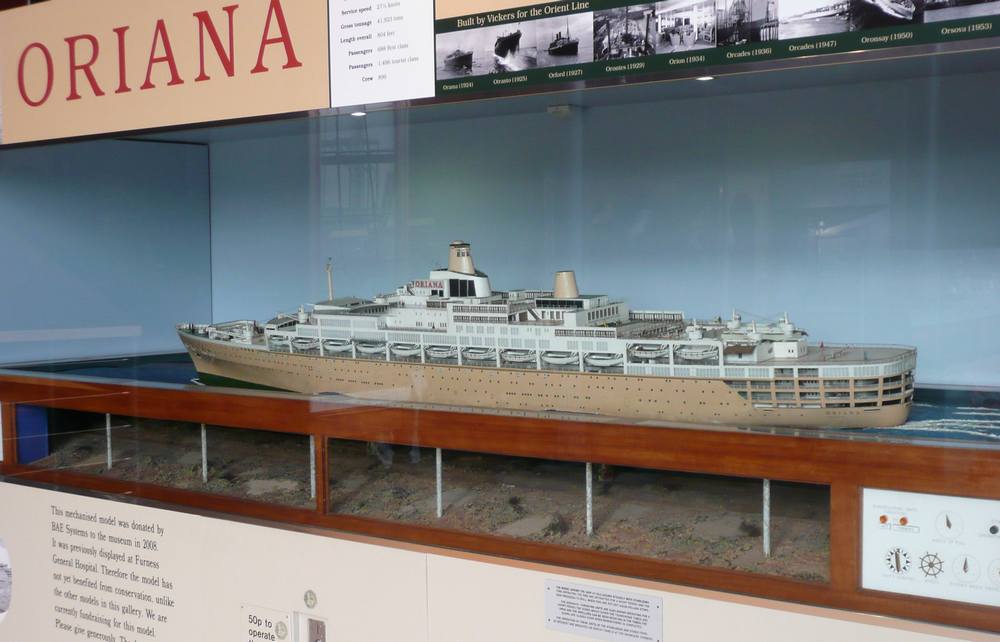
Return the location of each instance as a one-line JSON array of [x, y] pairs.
[[382, 481], [693, 519], [247, 464]]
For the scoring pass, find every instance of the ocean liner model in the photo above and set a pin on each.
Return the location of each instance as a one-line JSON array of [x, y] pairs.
[[451, 339]]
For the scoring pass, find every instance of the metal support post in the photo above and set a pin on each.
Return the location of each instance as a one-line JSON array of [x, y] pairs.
[[590, 498], [440, 497], [204, 455], [107, 430], [312, 466], [767, 518]]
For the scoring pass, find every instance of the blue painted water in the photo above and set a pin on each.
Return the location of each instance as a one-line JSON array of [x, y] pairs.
[[947, 421]]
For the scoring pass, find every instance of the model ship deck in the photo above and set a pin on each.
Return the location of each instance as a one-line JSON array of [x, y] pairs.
[[558, 350]]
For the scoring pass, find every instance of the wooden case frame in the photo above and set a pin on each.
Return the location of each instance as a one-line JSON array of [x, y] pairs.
[[845, 466]]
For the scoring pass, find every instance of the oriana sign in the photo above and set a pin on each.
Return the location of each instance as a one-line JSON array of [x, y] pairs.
[[71, 68]]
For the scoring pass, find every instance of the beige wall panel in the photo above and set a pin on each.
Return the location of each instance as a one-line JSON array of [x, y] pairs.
[[475, 602], [452, 8], [279, 90], [365, 592], [392, 592]]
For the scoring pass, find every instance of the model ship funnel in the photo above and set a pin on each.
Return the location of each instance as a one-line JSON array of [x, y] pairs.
[[460, 258], [565, 287]]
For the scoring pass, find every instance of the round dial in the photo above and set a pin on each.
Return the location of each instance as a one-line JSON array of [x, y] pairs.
[[995, 572], [966, 569], [931, 565], [949, 524], [898, 560]]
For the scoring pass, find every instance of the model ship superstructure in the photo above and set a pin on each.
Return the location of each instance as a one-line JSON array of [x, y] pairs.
[[451, 339]]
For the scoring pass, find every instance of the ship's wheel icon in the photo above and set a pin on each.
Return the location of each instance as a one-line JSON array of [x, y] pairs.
[[931, 565]]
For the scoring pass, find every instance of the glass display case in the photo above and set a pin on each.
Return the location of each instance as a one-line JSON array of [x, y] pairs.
[[672, 330]]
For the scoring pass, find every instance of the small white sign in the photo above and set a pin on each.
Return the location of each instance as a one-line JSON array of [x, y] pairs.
[[603, 614], [264, 625], [381, 51], [931, 545]]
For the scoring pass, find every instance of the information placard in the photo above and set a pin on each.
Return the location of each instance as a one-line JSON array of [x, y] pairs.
[[381, 51], [603, 614], [503, 47], [94, 570], [931, 546]]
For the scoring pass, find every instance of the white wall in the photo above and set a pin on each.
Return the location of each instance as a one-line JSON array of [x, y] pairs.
[[104, 246]]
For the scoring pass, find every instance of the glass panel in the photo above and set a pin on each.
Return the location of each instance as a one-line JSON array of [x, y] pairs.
[[382, 481], [693, 519], [665, 279], [248, 464]]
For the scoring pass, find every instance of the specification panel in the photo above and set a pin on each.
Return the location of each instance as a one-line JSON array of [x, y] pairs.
[[932, 546], [381, 51]]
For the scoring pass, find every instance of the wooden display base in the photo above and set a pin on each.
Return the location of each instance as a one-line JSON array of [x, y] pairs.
[[844, 466]]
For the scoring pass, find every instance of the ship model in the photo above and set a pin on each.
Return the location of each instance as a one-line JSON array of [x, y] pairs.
[[452, 340], [506, 43], [459, 59], [564, 45]]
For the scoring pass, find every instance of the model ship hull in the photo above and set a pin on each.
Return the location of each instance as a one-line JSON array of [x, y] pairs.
[[664, 399]]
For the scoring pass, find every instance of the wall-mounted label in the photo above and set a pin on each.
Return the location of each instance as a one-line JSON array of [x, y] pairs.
[[96, 570], [504, 46], [603, 614], [71, 68], [931, 546], [261, 624], [381, 51]]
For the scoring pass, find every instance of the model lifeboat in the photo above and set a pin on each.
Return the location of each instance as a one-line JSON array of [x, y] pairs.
[[560, 357], [305, 343], [405, 349], [278, 340], [337, 345], [649, 351], [697, 352], [365, 347], [517, 356], [479, 354], [442, 352], [603, 359]]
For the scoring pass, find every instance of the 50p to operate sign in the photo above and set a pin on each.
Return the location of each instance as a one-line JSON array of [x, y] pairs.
[[70, 68]]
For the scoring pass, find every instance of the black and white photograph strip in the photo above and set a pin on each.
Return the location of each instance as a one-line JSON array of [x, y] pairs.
[[487, 50], [566, 40], [739, 22], [683, 25], [5, 581], [625, 32], [874, 14], [804, 18], [939, 10]]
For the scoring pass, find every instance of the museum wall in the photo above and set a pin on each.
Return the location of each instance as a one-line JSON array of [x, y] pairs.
[[104, 247], [866, 213]]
